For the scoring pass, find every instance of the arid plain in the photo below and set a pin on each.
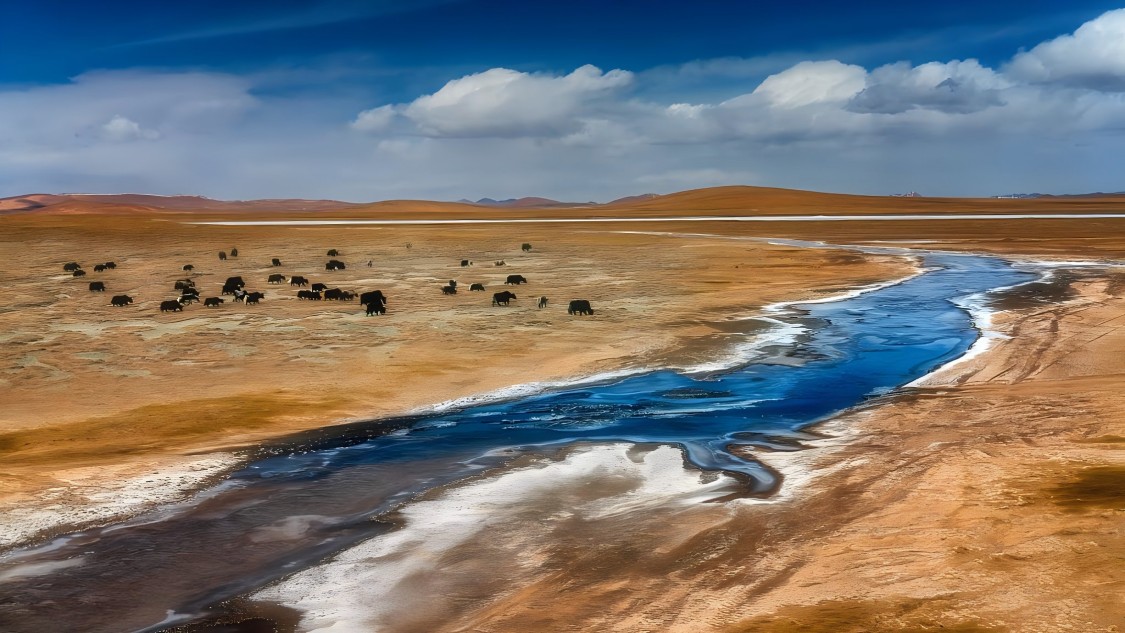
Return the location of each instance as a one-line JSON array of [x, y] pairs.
[[988, 498]]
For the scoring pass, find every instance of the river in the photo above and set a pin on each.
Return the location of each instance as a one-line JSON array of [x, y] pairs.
[[322, 490]]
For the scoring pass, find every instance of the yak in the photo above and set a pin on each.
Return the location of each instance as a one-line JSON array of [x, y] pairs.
[[212, 302], [275, 261], [97, 286], [319, 287], [308, 294], [333, 294], [171, 306], [335, 264], [376, 307], [234, 252], [222, 256], [449, 290], [120, 300], [276, 279], [297, 280], [542, 302], [189, 267], [333, 253], [99, 268], [526, 247], [515, 279], [184, 284], [502, 298], [254, 297], [235, 281], [110, 265], [375, 296], [229, 289], [465, 262], [71, 266], [479, 287], [79, 273], [579, 306]]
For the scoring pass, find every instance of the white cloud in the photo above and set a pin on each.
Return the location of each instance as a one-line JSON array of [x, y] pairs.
[[810, 83], [120, 129], [507, 103], [941, 127], [375, 120], [1092, 57]]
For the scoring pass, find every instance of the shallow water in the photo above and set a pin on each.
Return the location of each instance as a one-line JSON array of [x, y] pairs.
[[318, 493]]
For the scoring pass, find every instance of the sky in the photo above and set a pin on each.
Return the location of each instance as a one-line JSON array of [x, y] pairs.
[[578, 100]]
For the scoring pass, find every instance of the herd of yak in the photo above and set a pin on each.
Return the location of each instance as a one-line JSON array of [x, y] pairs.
[[374, 301]]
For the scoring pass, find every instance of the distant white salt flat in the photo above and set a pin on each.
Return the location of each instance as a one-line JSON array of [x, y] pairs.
[[703, 218]]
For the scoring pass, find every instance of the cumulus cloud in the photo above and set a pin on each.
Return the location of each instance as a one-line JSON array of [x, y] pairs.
[[375, 120], [1092, 57], [120, 129], [507, 103], [809, 83], [958, 87], [1048, 120]]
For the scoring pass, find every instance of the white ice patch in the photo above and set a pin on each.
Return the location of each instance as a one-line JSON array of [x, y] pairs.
[[516, 392], [355, 591]]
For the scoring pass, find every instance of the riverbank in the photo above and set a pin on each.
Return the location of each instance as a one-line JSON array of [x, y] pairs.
[[146, 407], [987, 501]]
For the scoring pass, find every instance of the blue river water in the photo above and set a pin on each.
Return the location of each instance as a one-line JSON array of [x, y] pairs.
[[182, 561]]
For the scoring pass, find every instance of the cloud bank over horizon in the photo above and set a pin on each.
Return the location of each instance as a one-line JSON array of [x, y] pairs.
[[1050, 118]]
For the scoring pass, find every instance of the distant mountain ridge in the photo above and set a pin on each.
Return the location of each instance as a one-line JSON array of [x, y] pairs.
[[1032, 196]]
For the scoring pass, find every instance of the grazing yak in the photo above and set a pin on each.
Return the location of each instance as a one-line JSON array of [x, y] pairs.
[[79, 273], [502, 298], [235, 281], [542, 302], [97, 286], [222, 256], [449, 290], [479, 287], [254, 297], [465, 262], [308, 294], [189, 267], [319, 287], [171, 306], [335, 294], [120, 300], [375, 296], [234, 252], [335, 264], [99, 268], [376, 307], [297, 280], [275, 262], [526, 247], [515, 279], [579, 306], [333, 253], [229, 289], [110, 265], [276, 279], [71, 266], [213, 302], [184, 284]]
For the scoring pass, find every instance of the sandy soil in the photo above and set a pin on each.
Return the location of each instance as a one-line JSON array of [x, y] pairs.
[[987, 500], [101, 393]]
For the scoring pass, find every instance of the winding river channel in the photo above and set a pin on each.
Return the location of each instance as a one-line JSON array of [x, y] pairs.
[[165, 567]]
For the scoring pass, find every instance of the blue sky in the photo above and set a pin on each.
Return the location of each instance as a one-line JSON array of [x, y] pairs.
[[575, 100]]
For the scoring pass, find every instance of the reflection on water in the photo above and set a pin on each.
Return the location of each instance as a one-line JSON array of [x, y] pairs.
[[319, 493]]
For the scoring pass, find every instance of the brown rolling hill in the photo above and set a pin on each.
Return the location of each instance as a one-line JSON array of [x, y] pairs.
[[718, 201]]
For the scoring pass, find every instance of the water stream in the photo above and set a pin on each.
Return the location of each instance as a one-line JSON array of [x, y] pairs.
[[169, 565]]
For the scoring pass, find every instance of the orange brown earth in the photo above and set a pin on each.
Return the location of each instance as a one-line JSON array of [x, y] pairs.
[[988, 500]]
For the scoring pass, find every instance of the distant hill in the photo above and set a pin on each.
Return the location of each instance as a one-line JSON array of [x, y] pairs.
[[524, 203], [88, 203], [1032, 196]]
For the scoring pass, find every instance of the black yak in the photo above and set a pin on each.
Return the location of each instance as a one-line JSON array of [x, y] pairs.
[[515, 279], [212, 302], [97, 286], [479, 287], [120, 300], [502, 298], [579, 306], [276, 279], [171, 306]]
